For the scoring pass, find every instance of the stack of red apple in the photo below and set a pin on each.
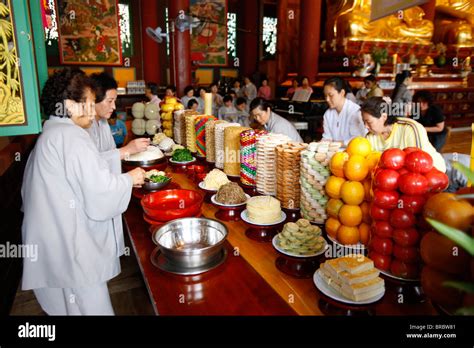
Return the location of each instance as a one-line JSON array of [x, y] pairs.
[[402, 182]]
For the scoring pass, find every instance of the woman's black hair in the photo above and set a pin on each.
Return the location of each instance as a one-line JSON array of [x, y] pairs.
[[261, 103], [376, 106], [153, 87], [172, 88], [424, 96], [370, 78], [67, 83], [227, 98], [191, 102], [240, 101], [187, 89], [338, 83], [104, 82], [399, 79], [204, 88], [347, 87]]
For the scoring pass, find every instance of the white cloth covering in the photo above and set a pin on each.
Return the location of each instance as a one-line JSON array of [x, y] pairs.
[[344, 126], [70, 199], [94, 300]]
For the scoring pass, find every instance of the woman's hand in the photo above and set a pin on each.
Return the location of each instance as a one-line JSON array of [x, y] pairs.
[[138, 176], [133, 147]]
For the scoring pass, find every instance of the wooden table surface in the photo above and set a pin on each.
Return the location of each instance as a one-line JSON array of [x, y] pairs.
[[268, 290]]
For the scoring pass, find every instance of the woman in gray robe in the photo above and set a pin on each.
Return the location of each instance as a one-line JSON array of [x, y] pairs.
[[70, 197]]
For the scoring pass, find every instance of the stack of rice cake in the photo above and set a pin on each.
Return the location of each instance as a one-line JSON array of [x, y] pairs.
[[266, 162], [353, 277], [288, 174]]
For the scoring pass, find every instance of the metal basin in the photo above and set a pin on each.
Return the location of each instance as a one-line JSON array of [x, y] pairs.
[[154, 186], [191, 242]]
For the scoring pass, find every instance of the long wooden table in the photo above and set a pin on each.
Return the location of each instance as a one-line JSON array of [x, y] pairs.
[[248, 283]]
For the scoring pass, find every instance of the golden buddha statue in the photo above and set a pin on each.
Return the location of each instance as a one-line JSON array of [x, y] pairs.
[[454, 22], [351, 19]]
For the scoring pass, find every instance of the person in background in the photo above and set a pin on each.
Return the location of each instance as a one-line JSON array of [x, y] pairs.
[[243, 116], [193, 105], [291, 91], [361, 95], [228, 112], [249, 91], [273, 123], [151, 92], [106, 95], [237, 89], [373, 89], [431, 118], [389, 131], [349, 94], [170, 91], [305, 84], [200, 99], [217, 100], [118, 128], [70, 199], [457, 180], [265, 91], [401, 95], [188, 95], [342, 121], [233, 96]]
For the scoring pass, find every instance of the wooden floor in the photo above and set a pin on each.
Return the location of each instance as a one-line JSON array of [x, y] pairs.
[[128, 292]]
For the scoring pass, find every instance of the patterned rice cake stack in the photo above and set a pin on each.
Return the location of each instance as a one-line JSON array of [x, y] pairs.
[[232, 150], [248, 156], [179, 127], [288, 174], [191, 132], [313, 176], [219, 138], [200, 127], [211, 140], [266, 162]]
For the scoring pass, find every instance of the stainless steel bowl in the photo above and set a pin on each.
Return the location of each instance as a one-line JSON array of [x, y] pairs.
[[191, 242], [154, 186]]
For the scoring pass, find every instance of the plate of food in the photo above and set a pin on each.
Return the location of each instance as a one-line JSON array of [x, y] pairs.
[[300, 239], [182, 156], [350, 279], [152, 155], [214, 180], [156, 180], [230, 195], [244, 215], [263, 211]]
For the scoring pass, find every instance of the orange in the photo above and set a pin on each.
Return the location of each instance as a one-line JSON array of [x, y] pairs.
[[373, 159], [364, 233], [365, 207], [337, 163], [350, 215], [367, 183], [333, 186], [359, 146], [348, 235], [356, 168], [332, 225], [333, 207], [352, 192]]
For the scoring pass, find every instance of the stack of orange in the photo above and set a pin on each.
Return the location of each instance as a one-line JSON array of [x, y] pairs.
[[349, 190]]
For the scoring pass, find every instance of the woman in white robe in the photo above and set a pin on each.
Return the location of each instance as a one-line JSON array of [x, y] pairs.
[[70, 198]]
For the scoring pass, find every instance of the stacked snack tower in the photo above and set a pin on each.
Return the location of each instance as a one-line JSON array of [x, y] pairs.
[[248, 156], [179, 125], [167, 108], [220, 145], [314, 173], [211, 140], [200, 128], [191, 132], [401, 184], [288, 174], [349, 190], [232, 150]]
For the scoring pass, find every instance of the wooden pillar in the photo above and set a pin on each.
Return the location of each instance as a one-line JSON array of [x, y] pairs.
[[248, 20], [282, 41], [151, 49], [429, 8], [310, 19], [180, 48]]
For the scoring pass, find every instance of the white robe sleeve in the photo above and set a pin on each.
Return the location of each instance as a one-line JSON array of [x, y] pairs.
[[327, 128], [357, 128], [103, 194]]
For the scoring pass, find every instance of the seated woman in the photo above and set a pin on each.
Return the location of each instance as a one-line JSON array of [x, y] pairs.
[[342, 121], [431, 118], [291, 91], [70, 198], [401, 95], [387, 131]]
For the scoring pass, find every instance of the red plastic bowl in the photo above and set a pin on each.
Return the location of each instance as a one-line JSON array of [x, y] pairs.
[[167, 205]]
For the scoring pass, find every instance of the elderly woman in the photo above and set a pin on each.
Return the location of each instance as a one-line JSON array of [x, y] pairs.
[[70, 197], [342, 121], [387, 131]]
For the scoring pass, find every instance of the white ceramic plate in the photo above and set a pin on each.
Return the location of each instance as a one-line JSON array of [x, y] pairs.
[[358, 246], [390, 275], [202, 187], [213, 200], [245, 217], [175, 162], [326, 290], [277, 247]]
